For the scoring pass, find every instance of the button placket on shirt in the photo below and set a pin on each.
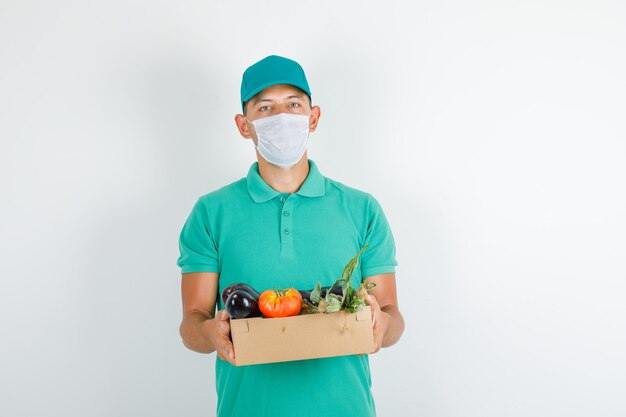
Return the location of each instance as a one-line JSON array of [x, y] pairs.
[[286, 225]]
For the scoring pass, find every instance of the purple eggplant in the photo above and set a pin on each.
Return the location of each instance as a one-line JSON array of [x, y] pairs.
[[306, 295], [239, 286], [240, 305]]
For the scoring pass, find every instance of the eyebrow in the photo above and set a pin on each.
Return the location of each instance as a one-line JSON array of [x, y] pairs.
[[260, 99]]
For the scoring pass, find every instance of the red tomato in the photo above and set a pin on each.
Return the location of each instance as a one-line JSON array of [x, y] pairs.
[[280, 303]]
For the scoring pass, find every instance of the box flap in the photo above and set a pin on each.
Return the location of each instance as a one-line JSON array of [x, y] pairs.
[[239, 326]]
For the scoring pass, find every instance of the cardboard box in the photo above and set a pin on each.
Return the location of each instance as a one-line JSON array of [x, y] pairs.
[[262, 340]]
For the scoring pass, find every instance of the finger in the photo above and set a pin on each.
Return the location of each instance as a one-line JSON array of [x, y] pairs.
[[223, 355], [376, 347], [227, 353], [231, 353], [372, 302], [224, 322]]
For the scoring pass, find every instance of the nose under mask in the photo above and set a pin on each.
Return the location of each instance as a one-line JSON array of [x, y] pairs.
[[282, 139]]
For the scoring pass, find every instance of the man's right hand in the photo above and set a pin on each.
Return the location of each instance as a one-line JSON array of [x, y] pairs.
[[200, 331], [218, 333]]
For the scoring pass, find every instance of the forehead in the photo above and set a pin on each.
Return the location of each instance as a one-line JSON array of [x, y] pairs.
[[278, 91]]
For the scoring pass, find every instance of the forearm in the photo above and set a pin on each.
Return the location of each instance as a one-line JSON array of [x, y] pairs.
[[194, 333], [395, 326]]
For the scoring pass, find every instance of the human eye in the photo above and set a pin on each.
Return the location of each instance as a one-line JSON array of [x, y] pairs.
[[264, 108], [294, 105]]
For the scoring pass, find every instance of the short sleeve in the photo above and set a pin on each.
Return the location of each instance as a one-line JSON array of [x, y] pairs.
[[198, 252], [380, 255]]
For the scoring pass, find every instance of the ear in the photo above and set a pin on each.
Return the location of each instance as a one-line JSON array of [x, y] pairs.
[[315, 117], [242, 126]]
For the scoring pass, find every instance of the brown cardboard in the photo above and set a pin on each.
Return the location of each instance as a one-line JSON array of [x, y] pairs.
[[263, 340]]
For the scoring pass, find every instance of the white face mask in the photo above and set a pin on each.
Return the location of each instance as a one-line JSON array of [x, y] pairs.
[[282, 138]]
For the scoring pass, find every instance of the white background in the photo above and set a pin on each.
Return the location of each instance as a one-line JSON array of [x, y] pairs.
[[492, 133]]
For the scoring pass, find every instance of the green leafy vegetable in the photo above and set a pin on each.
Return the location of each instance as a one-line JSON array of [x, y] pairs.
[[316, 293], [351, 300]]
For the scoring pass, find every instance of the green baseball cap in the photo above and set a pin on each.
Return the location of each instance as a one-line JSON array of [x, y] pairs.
[[270, 71]]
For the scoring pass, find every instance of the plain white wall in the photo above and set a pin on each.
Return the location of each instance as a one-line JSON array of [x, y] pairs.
[[492, 133]]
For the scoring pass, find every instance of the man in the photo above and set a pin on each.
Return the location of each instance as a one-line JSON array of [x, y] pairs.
[[284, 225]]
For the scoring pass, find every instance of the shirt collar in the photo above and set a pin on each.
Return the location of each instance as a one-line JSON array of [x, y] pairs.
[[314, 185], [260, 191]]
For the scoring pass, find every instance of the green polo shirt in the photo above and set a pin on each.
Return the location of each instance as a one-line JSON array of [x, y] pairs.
[[249, 232]]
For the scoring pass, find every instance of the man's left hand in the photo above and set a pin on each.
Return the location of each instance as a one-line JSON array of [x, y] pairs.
[[380, 321]]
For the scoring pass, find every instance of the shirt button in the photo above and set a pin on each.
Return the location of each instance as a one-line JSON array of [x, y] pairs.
[[286, 213], [283, 199], [286, 231]]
